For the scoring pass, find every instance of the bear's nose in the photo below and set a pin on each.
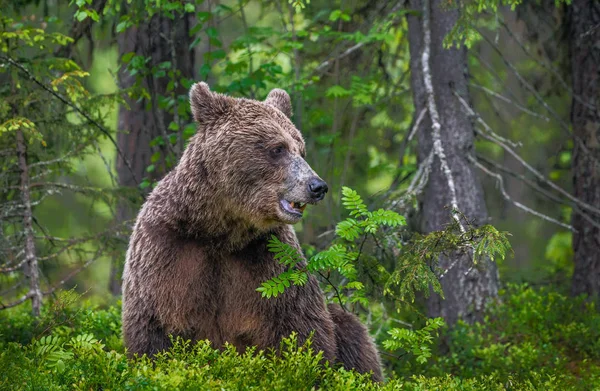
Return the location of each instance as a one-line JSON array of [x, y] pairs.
[[317, 188]]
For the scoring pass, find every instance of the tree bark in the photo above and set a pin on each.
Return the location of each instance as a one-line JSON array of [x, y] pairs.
[[466, 291], [584, 39], [161, 39], [31, 262]]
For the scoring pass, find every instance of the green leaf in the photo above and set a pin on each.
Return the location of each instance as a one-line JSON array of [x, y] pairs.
[[80, 16], [337, 92]]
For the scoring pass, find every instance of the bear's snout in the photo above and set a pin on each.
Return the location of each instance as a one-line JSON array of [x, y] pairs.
[[317, 188]]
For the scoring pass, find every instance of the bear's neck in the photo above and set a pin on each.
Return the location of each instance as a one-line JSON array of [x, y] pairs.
[[194, 211]]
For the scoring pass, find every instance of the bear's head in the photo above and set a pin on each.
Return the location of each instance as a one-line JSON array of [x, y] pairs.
[[250, 157]]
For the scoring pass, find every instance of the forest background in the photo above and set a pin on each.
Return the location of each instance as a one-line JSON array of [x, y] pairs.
[[477, 121]]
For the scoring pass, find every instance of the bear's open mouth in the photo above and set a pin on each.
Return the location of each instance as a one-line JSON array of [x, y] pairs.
[[292, 207]]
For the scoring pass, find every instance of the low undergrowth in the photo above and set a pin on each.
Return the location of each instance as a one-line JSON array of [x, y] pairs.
[[533, 340]]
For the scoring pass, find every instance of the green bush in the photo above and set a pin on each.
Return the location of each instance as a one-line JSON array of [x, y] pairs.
[[531, 340], [534, 335]]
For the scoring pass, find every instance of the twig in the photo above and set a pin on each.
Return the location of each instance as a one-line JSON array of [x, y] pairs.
[[405, 142], [337, 293], [17, 302], [478, 118], [500, 182], [510, 101], [541, 100], [325, 64], [248, 47], [546, 66], [74, 272], [539, 189], [499, 141], [417, 184]]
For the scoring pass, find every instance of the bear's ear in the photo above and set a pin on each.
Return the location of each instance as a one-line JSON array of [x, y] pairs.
[[280, 99], [206, 104]]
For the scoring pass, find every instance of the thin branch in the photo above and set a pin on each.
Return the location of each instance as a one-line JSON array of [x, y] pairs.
[[74, 272], [538, 97], [546, 66], [17, 302], [539, 189], [248, 47], [413, 131], [61, 159], [337, 293], [500, 183], [487, 128], [417, 183], [10, 269], [327, 63], [497, 140], [510, 101]]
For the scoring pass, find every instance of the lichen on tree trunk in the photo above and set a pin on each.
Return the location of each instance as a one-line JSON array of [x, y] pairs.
[[466, 289]]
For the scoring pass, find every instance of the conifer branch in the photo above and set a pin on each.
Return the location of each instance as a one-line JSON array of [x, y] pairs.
[[100, 127]]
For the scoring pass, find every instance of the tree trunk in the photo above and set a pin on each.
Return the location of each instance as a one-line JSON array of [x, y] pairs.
[[466, 291], [164, 40], [584, 39], [31, 268]]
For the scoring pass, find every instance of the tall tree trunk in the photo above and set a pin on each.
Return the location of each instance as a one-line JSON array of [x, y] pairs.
[[465, 291], [584, 39], [163, 40], [31, 268]]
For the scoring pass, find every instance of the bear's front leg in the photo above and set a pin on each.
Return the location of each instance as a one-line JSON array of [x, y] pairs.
[[305, 322], [355, 348], [143, 334]]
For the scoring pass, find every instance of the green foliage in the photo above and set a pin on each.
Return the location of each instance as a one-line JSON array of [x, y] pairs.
[[475, 14], [466, 29], [418, 342], [50, 123], [531, 340], [339, 256], [538, 336], [415, 263], [417, 268], [559, 253]]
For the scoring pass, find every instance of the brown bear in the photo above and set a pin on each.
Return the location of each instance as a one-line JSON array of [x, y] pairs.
[[199, 247]]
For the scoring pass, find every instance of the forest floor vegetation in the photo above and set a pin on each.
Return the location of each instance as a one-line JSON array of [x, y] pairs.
[[533, 339]]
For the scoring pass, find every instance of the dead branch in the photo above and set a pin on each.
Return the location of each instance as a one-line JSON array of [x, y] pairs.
[[500, 183], [538, 175], [509, 101]]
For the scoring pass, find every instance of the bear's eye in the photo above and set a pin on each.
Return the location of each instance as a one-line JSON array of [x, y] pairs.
[[278, 151]]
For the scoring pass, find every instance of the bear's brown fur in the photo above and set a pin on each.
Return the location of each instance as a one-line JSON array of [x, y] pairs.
[[199, 247]]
